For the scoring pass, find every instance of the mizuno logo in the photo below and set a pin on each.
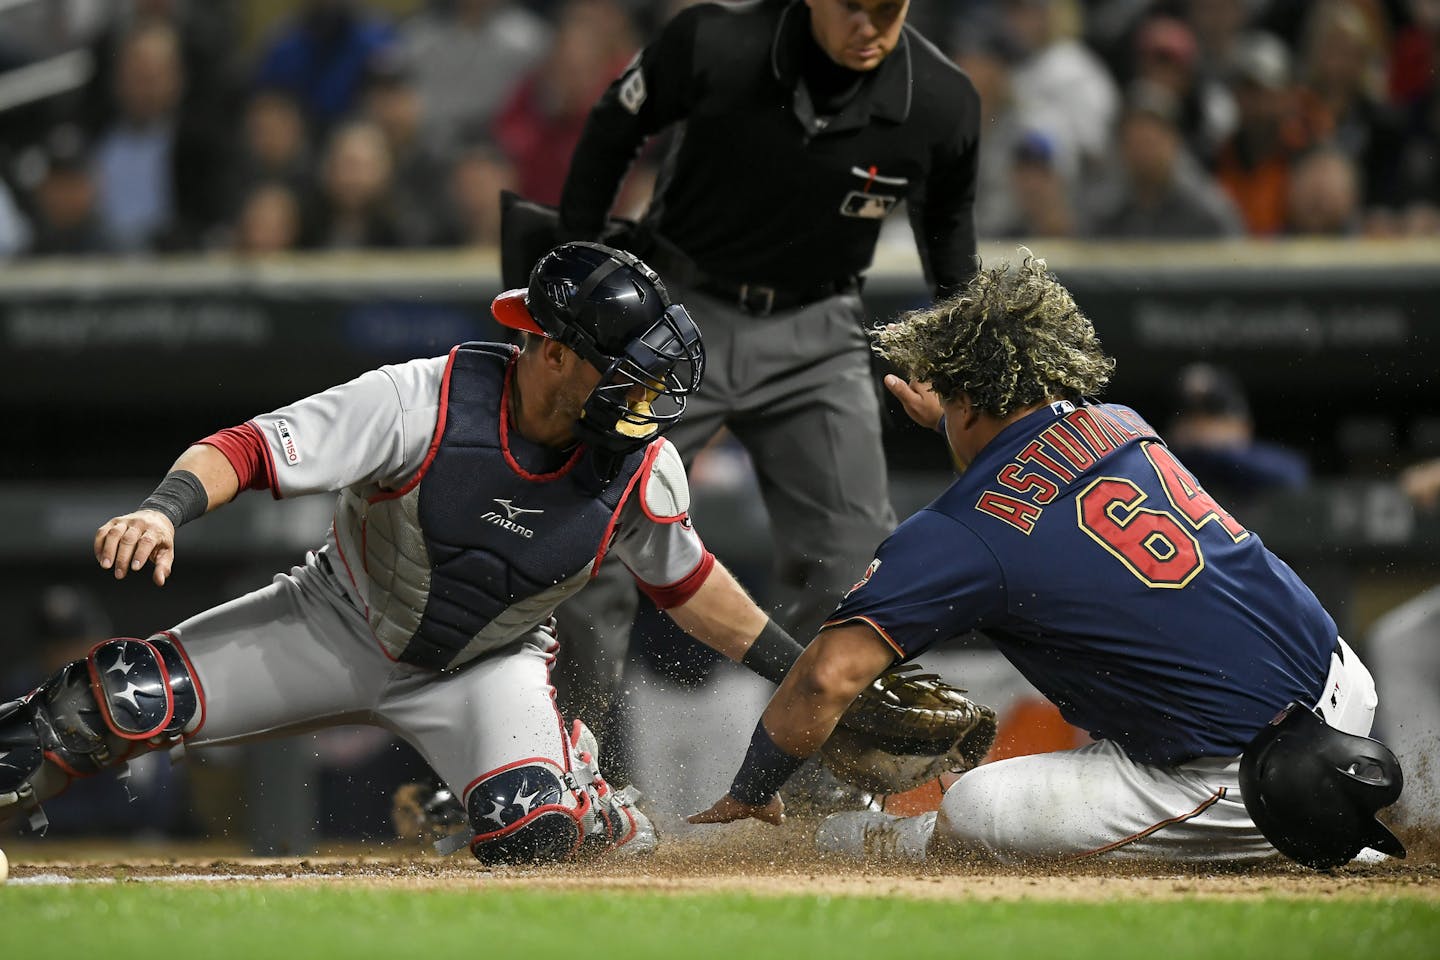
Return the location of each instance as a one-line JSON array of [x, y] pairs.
[[512, 511], [507, 522]]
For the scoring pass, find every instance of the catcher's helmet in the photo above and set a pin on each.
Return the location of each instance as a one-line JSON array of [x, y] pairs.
[[612, 310], [1313, 790]]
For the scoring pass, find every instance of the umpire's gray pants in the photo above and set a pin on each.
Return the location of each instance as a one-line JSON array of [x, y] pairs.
[[796, 389]]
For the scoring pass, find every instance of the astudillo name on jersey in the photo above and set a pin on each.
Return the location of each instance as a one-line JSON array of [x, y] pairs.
[[1062, 451]]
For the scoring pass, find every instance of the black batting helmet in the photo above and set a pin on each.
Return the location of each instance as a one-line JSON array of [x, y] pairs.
[[1313, 790], [613, 311]]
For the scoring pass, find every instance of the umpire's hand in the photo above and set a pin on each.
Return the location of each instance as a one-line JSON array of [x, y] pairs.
[[126, 543], [918, 400]]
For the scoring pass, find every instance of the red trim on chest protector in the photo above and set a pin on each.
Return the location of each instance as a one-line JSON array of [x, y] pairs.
[[510, 460], [434, 440], [650, 454]]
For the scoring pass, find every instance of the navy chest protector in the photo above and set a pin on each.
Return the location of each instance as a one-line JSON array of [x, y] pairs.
[[495, 534]]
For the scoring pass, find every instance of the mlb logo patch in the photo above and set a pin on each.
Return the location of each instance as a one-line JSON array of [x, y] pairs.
[[867, 206], [288, 445]]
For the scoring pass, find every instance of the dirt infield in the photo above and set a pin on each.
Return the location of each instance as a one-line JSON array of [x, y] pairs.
[[746, 858]]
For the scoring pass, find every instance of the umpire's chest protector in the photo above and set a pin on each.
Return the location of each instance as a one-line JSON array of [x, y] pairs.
[[475, 550]]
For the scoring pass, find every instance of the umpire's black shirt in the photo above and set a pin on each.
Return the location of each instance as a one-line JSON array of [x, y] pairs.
[[762, 187]]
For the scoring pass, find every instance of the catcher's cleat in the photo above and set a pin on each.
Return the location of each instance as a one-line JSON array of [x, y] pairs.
[[873, 835], [613, 822]]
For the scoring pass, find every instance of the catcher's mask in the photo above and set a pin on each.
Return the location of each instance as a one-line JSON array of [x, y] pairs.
[[613, 311], [1313, 790]]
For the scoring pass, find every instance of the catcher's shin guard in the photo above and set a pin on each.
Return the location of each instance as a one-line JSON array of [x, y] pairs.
[[524, 813], [127, 696]]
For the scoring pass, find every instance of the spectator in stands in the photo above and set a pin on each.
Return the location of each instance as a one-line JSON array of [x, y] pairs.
[[1342, 82], [353, 209], [269, 220], [987, 61], [541, 123], [467, 56], [1218, 26], [1415, 54], [1213, 435], [274, 146], [1164, 193], [1254, 164], [205, 32], [475, 184], [135, 156], [1044, 207], [1060, 87], [392, 102], [65, 219], [320, 57], [1324, 195], [1167, 57]]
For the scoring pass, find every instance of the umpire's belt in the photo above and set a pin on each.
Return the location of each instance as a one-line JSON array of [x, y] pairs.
[[756, 299], [760, 300]]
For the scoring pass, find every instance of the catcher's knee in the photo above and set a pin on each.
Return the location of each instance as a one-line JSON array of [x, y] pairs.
[[126, 697], [524, 814]]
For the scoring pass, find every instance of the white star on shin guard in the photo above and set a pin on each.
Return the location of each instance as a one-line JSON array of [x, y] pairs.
[[495, 813], [523, 801], [120, 666], [129, 694]]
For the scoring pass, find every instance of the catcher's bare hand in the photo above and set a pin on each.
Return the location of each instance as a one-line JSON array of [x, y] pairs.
[[918, 400], [728, 809], [127, 543]]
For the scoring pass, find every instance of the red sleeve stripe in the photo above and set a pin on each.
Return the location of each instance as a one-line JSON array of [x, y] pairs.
[[249, 456], [873, 626], [683, 589]]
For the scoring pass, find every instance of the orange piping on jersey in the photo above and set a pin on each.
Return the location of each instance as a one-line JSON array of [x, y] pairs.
[[1209, 802], [873, 626], [651, 453]]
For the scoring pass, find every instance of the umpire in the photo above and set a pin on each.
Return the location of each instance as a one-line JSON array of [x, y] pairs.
[[799, 125]]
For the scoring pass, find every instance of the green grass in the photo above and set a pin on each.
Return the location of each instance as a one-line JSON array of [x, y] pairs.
[[269, 922]]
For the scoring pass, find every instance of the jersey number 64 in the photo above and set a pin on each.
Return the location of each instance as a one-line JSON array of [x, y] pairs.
[[1158, 546]]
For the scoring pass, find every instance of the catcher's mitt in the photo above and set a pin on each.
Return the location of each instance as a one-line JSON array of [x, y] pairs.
[[905, 729]]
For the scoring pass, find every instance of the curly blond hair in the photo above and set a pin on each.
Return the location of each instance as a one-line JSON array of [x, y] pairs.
[[1012, 338]]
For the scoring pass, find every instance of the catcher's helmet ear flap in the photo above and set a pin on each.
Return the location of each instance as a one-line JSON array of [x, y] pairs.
[[613, 311], [1313, 790]]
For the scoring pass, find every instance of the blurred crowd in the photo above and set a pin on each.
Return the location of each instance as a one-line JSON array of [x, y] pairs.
[[142, 126]]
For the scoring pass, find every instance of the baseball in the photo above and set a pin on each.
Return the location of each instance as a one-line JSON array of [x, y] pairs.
[[4, 867]]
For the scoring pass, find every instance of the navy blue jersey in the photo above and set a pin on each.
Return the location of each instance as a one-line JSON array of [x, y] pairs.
[[1082, 547]]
